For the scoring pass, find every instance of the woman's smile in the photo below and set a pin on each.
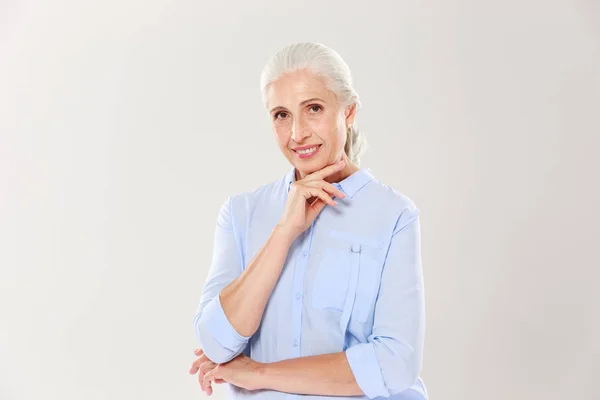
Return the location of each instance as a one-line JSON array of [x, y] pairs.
[[307, 153]]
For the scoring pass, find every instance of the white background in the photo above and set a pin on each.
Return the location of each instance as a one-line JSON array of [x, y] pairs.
[[125, 124]]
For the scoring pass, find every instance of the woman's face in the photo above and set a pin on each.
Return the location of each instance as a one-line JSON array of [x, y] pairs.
[[305, 114]]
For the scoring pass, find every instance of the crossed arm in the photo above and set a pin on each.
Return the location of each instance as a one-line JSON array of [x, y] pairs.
[[324, 374]]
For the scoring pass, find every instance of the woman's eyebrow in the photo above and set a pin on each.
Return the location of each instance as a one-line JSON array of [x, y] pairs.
[[302, 103], [312, 99]]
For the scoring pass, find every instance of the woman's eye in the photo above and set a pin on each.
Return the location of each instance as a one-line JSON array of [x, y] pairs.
[[312, 107], [278, 114]]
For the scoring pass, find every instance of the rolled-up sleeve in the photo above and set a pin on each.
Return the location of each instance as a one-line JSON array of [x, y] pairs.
[[390, 362], [218, 339]]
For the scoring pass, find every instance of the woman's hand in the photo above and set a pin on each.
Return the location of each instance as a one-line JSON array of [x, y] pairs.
[[204, 365], [307, 197], [242, 372]]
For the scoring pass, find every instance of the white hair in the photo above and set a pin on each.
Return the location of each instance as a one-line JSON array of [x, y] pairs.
[[323, 61]]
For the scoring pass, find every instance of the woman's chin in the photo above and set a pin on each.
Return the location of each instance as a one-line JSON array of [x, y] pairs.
[[308, 167]]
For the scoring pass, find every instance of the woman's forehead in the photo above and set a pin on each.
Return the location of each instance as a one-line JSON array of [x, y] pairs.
[[297, 87]]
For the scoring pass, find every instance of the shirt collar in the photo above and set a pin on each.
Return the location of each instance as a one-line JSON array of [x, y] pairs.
[[350, 185]]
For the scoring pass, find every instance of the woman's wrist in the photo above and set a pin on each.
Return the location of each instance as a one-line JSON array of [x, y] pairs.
[[285, 232], [262, 378]]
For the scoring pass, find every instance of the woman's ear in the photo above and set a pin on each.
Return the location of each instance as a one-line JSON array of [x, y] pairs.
[[350, 114]]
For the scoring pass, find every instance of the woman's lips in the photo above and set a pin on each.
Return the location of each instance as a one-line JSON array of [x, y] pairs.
[[308, 155]]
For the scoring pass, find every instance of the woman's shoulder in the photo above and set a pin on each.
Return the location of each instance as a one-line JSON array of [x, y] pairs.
[[263, 195], [391, 196], [395, 205], [264, 190]]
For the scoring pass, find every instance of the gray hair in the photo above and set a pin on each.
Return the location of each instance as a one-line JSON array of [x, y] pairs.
[[323, 61]]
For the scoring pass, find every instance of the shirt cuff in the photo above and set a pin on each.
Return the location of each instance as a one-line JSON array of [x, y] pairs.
[[365, 367], [221, 330]]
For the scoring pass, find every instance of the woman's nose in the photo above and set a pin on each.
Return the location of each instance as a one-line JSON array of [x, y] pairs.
[[299, 131]]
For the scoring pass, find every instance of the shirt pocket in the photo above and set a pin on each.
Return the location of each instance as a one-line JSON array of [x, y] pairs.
[[348, 275], [332, 278]]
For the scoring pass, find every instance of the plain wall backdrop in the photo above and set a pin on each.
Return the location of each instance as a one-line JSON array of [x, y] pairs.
[[125, 124]]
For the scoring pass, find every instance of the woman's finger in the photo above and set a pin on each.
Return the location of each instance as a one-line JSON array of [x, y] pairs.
[[320, 193], [317, 206], [193, 368], [328, 170], [196, 364], [328, 187], [202, 381], [209, 377], [205, 367]]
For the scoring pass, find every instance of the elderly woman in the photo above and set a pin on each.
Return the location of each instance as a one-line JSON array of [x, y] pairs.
[[316, 283]]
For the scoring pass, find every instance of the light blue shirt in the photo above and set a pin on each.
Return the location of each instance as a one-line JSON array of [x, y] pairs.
[[352, 282]]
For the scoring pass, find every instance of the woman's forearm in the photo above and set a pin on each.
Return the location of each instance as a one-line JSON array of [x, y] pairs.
[[245, 298], [322, 375]]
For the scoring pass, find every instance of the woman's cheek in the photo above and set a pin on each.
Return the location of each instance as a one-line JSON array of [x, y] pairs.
[[282, 138]]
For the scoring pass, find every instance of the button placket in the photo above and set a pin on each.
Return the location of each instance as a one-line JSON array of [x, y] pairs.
[[298, 289]]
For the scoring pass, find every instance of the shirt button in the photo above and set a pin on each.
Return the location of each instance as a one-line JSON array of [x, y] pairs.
[[295, 342], [304, 253], [298, 295]]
